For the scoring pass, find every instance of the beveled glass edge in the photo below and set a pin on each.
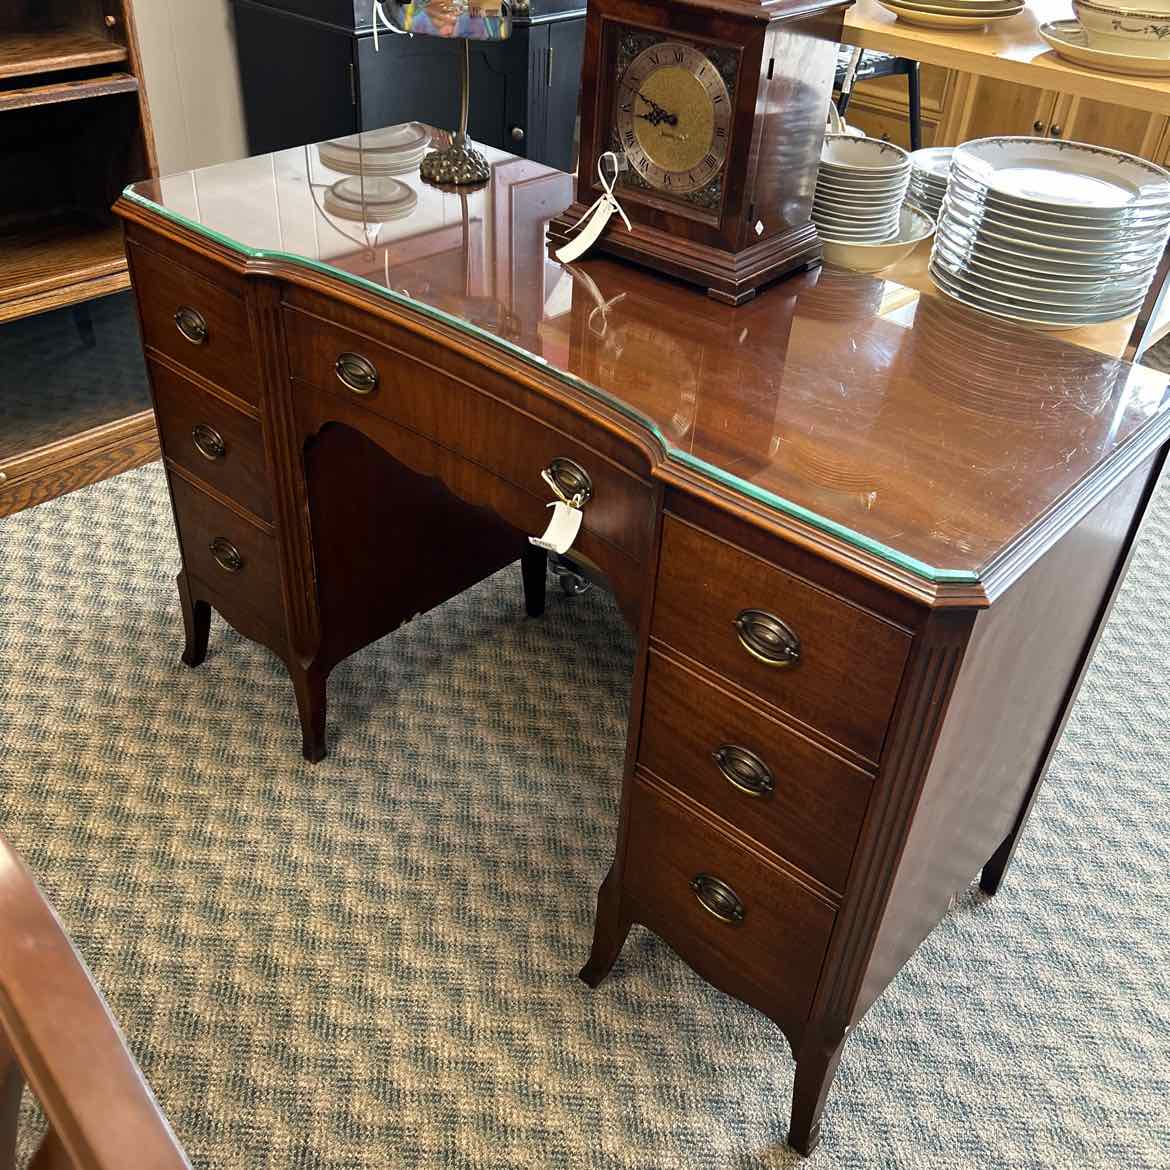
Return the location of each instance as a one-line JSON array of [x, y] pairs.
[[752, 491]]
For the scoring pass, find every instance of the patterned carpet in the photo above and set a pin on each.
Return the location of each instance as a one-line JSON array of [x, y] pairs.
[[372, 962]]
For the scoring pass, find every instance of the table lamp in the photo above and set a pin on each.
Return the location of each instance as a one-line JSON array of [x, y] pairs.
[[459, 163]]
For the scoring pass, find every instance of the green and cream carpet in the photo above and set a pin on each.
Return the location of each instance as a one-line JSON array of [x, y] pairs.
[[372, 962]]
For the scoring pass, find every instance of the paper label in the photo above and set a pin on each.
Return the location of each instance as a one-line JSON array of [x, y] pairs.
[[561, 531], [587, 236]]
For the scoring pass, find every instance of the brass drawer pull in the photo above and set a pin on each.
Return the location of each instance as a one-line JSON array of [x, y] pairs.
[[744, 770], [356, 373], [569, 480], [766, 638], [192, 324], [208, 441], [227, 556], [718, 898]]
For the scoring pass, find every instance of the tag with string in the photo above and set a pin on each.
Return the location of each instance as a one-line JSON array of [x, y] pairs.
[[566, 519], [595, 219]]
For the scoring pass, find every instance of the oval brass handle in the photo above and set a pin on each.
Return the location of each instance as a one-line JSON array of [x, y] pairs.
[[227, 556], [192, 324], [744, 770], [766, 638], [356, 373], [718, 898], [569, 480], [208, 441]]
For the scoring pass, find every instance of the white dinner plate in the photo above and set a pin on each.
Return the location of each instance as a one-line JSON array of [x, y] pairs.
[[1037, 242], [1045, 274], [1068, 40], [1107, 308], [880, 206], [1055, 173], [932, 162], [936, 20], [1073, 266], [972, 192], [1039, 227]]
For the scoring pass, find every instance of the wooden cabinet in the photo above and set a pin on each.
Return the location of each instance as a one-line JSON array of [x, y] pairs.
[[957, 107], [76, 130], [310, 71]]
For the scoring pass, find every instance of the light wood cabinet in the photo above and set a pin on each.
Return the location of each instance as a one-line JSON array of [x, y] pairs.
[[957, 107]]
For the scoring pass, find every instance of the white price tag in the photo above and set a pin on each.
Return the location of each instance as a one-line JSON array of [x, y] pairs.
[[562, 529]]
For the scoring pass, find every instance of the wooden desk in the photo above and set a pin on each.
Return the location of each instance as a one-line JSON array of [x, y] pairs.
[[1010, 50], [866, 540]]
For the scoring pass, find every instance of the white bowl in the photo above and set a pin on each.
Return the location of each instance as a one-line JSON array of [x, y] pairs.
[[913, 228], [1125, 30], [843, 153]]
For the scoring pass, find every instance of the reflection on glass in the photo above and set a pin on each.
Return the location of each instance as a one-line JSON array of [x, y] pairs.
[[915, 428]]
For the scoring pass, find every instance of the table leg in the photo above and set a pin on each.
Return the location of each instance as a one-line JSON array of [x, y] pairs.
[[534, 569], [816, 1066], [196, 622], [610, 929], [309, 685]]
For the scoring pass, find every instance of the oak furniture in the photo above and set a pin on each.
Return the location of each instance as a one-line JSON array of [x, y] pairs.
[[866, 538], [76, 130], [309, 69], [58, 1037]]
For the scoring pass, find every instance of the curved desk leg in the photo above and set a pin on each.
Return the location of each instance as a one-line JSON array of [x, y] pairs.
[[534, 569], [610, 928], [816, 1066], [196, 622], [309, 685]]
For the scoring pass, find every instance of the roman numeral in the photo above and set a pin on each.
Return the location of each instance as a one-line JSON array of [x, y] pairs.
[[628, 138], [710, 162], [720, 132], [716, 98], [667, 180], [679, 55], [627, 107]]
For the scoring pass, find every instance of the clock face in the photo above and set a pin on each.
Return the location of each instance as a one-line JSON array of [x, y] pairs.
[[671, 116]]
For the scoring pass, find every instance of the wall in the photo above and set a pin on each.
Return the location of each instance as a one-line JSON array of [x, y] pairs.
[[192, 81]]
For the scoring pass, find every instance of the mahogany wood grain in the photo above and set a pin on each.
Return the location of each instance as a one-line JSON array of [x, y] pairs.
[[771, 959], [226, 356], [453, 412], [813, 816], [240, 471], [74, 90], [1025, 655], [850, 661], [203, 519]]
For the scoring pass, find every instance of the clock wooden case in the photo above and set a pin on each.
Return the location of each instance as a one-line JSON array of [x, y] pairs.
[[717, 110]]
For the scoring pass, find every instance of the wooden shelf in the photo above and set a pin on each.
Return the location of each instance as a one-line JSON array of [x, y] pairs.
[[1009, 50], [25, 54], [66, 91], [57, 261]]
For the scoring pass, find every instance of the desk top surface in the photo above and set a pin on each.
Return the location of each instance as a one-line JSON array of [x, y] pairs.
[[935, 438]]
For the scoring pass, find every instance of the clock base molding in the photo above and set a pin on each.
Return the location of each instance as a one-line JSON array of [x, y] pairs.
[[732, 278]]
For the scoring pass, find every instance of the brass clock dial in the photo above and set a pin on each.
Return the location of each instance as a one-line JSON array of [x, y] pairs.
[[673, 117]]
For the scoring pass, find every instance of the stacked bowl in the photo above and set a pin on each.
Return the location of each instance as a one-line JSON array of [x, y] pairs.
[[928, 178], [957, 14], [1056, 234], [1140, 29], [859, 189]]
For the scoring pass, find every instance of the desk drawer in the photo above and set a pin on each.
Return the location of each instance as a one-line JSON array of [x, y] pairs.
[[795, 798], [514, 445], [200, 325], [688, 878], [216, 443], [234, 556], [848, 661]]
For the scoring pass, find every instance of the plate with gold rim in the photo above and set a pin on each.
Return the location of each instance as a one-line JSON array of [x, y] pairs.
[[1068, 40]]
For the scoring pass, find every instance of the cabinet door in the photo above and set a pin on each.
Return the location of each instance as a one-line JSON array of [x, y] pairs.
[[1105, 124], [297, 79], [566, 47], [984, 107]]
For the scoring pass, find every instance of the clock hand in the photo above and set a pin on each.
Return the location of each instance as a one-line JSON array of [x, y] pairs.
[[657, 113]]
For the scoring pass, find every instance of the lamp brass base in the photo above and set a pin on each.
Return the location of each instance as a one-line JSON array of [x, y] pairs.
[[459, 165]]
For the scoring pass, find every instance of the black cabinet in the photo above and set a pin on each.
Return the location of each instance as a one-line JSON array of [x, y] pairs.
[[309, 71]]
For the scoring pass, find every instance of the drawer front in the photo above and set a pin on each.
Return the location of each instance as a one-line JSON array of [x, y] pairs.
[[793, 797], [506, 441], [216, 443], [743, 924], [234, 556], [830, 664], [201, 325]]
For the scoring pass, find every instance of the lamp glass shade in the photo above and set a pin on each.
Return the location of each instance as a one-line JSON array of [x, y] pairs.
[[482, 20]]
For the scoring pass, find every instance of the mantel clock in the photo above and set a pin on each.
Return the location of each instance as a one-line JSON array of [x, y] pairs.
[[716, 111]]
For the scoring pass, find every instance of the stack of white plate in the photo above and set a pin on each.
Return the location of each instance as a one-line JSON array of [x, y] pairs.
[[859, 189], [1053, 233], [928, 178], [953, 13], [370, 200], [393, 150]]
